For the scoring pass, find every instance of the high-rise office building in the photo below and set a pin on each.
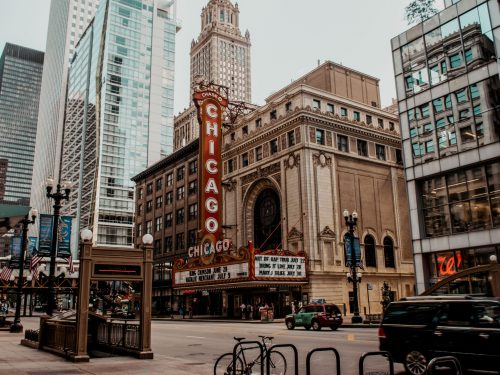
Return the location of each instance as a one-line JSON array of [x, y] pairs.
[[68, 20], [20, 79], [447, 79], [221, 54], [119, 112]]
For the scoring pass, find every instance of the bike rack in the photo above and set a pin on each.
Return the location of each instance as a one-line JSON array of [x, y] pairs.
[[330, 349], [241, 343], [373, 354], [295, 357], [431, 367]]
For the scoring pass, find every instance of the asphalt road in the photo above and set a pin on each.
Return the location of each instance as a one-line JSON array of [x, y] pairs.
[[201, 343]]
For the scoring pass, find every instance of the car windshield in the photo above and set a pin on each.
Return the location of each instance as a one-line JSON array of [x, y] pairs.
[[332, 309]]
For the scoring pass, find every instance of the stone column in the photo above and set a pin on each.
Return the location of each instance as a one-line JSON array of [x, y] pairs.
[[147, 287]]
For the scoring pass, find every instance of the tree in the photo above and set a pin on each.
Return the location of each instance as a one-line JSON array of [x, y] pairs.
[[419, 10]]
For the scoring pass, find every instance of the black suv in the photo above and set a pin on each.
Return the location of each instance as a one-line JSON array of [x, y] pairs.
[[416, 329]]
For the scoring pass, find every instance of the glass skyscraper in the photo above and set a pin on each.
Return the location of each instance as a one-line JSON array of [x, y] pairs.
[[119, 112], [68, 19], [20, 80]]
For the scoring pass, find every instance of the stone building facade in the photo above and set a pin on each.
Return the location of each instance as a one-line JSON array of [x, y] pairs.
[[318, 146]]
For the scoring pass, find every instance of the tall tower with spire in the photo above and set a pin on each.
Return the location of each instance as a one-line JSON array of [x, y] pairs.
[[221, 53]]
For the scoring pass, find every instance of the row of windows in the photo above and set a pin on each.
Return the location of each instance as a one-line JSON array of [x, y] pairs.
[[179, 245], [462, 201], [169, 197], [371, 254], [159, 224], [169, 179]]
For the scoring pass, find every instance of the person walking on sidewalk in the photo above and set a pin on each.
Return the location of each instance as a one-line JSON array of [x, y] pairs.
[[250, 311], [242, 307]]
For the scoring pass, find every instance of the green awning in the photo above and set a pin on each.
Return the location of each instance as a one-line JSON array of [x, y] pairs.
[[10, 215]]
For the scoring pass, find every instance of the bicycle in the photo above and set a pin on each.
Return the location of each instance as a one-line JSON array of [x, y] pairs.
[[225, 365]]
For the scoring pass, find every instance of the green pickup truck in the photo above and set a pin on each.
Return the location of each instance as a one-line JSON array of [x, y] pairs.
[[315, 316]]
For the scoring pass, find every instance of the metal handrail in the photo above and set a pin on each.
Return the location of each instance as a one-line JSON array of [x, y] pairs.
[[431, 367], [374, 354], [236, 353], [329, 349], [272, 348]]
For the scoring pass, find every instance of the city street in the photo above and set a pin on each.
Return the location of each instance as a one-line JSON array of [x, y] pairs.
[[192, 347]]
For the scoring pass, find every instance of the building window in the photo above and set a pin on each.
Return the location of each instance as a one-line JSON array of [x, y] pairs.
[[180, 173], [370, 253], [258, 153], [288, 106], [179, 216], [291, 138], [193, 167], [245, 130], [389, 253], [274, 146], [258, 123], [149, 227], [362, 147], [230, 165], [141, 193], [320, 136], [356, 116], [391, 126], [244, 159], [149, 189], [159, 202], [192, 187], [149, 206], [461, 96], [399, 156], [158, 223], [369, 119], [170, 179], [273, 115], [139, 209], [456, 60], [380, 123], [233, 136], [158, 184], [180, 193], [157, 246], [380, 152], [168, 244], [168, 198], [192, 238], [316, 104], [179, 241], [168, 220], [139, 230], [342, 143], [193, 211], [330, 108]]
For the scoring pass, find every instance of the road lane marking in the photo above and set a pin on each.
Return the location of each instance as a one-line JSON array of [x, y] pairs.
[[351, 337], [195, 337]]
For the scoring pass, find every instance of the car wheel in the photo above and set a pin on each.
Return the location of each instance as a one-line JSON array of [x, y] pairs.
[[307, 327], [334, 328], [315, 325], [416, 362], [290, 324]]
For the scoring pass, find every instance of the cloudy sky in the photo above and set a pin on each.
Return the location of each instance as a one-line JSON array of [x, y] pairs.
[[288, 37]]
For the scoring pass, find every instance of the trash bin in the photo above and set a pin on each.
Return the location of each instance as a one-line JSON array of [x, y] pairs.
[[270, 315], [263, 314]]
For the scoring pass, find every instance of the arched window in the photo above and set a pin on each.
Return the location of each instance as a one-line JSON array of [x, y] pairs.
[[389, 253], [370, 254]]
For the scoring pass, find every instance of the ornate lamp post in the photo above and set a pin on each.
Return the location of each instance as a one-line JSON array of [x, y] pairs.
[[353, 276], [17, 326], [58, 197]]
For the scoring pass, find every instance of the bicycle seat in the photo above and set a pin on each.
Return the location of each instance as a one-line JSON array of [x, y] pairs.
[[239, 338], [267, 337]]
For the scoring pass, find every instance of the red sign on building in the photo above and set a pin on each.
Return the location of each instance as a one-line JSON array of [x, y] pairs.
[[210, 106]]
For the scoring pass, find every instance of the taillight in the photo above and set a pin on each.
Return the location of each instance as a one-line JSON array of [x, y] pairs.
[[381, 333]]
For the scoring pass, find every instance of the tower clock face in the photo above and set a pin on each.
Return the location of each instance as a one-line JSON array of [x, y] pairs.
[[267, 211]]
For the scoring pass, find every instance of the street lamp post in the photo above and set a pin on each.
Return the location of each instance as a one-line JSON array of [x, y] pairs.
[[353, 276], [58, 197], [17, 326]]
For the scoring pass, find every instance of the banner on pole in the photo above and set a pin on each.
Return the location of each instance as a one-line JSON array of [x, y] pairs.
[[45, 234], [64, 238], [15, 251]]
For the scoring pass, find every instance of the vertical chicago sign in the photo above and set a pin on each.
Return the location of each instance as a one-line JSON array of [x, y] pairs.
[[210, 104]]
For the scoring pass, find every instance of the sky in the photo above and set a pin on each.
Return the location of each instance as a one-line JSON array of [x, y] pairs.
[[288, 38]]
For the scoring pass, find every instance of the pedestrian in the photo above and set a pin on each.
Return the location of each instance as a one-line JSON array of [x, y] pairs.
[[250, 311], [293, 307], [190, 312], [242, 308], [181, 312]]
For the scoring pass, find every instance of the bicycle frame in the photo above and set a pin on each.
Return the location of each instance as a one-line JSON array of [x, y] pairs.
[[241, 354]]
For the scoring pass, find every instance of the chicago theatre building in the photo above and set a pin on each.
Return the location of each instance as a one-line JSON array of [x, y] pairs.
[[288, 170]]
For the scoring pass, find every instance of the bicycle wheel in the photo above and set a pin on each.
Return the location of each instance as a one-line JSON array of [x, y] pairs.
[[224, 365], [278, 363]]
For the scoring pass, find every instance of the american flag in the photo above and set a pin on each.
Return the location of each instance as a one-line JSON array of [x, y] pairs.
[[35, 260], [71, 265], [5, 274]]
